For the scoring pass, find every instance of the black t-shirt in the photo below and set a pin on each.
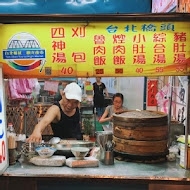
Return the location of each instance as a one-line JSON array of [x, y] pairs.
[[99, 94], [67, 127]]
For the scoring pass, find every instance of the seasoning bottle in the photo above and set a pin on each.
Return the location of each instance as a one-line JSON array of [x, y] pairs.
[[11, 135]]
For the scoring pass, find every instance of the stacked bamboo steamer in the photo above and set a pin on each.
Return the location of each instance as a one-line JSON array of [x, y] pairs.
[[141, 133]]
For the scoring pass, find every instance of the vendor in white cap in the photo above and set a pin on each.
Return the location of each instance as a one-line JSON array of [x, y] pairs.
[[63, 116]]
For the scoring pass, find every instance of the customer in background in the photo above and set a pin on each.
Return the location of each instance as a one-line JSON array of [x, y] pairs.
[[63, 116], [61, 87], [115, 108], [99, 89]]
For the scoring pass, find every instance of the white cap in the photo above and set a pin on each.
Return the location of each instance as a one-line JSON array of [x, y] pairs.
[[73, 91]]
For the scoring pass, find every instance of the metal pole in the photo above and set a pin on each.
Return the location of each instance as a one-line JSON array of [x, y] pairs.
[[25, 124], [145, 94], [170, 108], [187, 126], [95, 118]]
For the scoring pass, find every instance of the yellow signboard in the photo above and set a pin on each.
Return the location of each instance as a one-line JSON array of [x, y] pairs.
[[95, 49]]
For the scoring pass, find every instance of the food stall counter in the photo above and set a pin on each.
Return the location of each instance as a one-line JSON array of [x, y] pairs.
[[126, 173]]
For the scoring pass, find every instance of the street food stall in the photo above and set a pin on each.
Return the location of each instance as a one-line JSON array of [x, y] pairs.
[[90, 46]]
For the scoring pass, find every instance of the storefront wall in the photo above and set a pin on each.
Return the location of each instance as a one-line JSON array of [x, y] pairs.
[[44, 185]]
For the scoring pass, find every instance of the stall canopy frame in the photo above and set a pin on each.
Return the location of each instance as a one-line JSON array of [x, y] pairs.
[[56, 18]]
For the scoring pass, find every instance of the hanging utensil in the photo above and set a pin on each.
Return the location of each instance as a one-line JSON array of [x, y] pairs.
[[109, 146]]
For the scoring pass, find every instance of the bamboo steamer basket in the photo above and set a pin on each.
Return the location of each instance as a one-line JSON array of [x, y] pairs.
[[143, 133]]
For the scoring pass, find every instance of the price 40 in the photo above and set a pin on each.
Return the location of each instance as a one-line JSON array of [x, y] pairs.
[[67, 70]]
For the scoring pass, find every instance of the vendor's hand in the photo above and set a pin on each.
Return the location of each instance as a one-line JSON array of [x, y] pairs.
[[37, 138], [111, 117]]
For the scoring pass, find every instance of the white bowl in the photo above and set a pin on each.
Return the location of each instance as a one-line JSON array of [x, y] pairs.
[[54, 140], [45, 152], [80, 152]]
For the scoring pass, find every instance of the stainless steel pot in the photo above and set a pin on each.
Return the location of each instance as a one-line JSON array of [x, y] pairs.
[[102, 138]]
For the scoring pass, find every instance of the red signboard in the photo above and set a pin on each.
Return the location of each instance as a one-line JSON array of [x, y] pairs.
[[152, 91]]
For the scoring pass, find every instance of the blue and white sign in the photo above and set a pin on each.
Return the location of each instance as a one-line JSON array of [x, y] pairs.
[[3, 135]]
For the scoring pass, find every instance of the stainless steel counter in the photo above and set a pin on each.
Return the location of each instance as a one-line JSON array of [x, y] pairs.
[[168, 171]]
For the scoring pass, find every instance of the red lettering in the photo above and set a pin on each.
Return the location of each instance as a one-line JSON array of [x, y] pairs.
[[119, 71], [57, 33], [99, 71], [119, 60], [68, 70], [139, 70], [99, 60], [180, 69], [79, 32], [79, 57], [159, 69], [119, 49], [99, 39], [3, 151]]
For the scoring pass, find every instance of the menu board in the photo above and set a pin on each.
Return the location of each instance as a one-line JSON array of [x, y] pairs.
[[145, 48]]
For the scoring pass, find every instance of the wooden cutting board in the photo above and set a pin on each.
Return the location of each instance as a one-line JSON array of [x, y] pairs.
[[87, 162]]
